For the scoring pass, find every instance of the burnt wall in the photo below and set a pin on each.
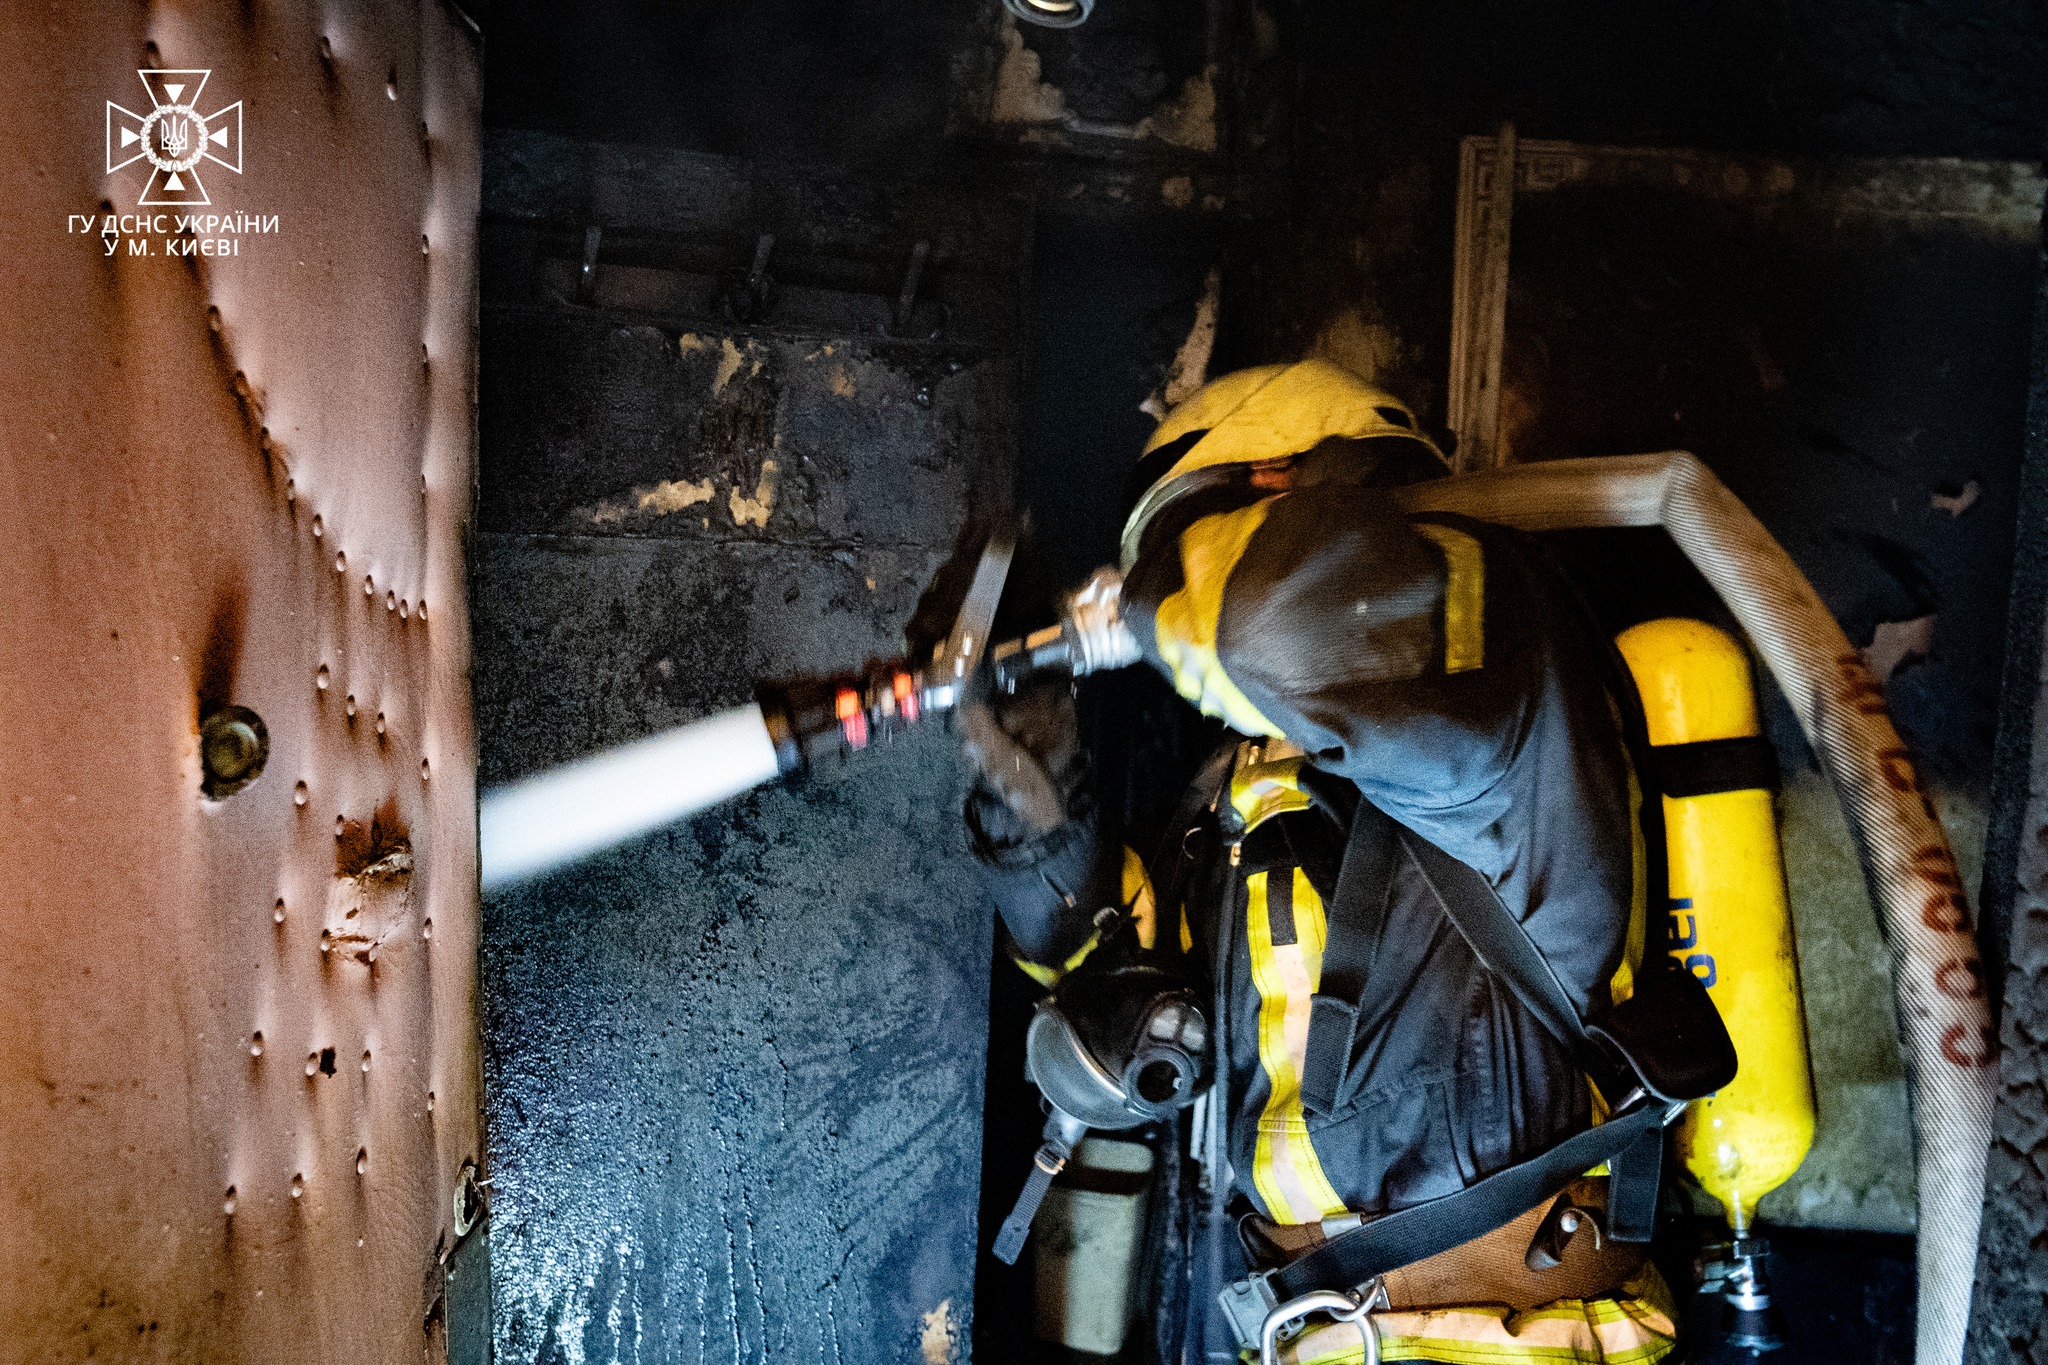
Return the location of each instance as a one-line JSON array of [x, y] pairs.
[[735, 1067], [2011, 1321]]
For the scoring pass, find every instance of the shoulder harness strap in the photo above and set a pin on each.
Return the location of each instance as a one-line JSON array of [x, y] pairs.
[[1357, 915], [1669, 1014]]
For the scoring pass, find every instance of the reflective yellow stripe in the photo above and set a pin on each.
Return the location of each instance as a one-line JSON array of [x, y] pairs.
[[1634, 1326], [1185, 625], [1623, 983], [1601, 1113], [1259, 791], [1464, 597], [1049, 974], [1285, 1170], [1137, 894]]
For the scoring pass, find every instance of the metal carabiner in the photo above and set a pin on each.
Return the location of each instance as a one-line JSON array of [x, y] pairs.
[[1357, 1306]]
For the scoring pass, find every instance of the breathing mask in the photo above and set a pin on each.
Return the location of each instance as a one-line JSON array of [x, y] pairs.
[[1121, 1043]]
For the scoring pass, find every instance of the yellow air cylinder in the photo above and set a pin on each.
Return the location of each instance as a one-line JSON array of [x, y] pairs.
[[1729, 921]]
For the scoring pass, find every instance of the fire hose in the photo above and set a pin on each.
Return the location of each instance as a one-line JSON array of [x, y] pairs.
[[1937, 977]]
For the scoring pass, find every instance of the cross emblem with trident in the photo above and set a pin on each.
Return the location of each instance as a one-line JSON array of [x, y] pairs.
[[174, 137]]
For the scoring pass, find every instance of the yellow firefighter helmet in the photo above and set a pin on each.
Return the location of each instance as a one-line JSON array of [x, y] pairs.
[[1258, 423]]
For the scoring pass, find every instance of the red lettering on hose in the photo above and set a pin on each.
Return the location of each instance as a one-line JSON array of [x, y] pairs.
[[1947, 912], [1958, 1045], [1937, 865], [1896, 766], [1863, 693], [1960, 979], [1946, 908]]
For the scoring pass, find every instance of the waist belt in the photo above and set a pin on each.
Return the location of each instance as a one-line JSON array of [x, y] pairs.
[[1664, 1047], [1528, 1262]]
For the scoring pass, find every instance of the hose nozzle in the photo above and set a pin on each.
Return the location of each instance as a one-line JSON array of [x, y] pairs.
[[810, 719], [1089, 638]]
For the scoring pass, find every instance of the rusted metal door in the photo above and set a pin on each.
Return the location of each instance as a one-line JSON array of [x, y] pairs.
[[239, 1077]]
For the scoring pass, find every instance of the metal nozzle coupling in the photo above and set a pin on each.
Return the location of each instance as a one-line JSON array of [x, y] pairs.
[[813, 718], [1090, 637]]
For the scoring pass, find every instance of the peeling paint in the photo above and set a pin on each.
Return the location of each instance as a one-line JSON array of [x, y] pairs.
[[755, 511], [1898, 643], [690, 342], [730, 359], [1265, 34], [939, 1343], [1189, 121], [1521, 410], [673, 495], [1956, 504], [1022, 95], [841, 382], [370, 898], [670, 495], [1178, 191], [1190, 368]]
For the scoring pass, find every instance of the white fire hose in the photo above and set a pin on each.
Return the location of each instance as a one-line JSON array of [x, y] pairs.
[[1937, 979]]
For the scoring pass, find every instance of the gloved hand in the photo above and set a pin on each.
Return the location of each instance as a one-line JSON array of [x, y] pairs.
[[1046, 861], [1026, 755]]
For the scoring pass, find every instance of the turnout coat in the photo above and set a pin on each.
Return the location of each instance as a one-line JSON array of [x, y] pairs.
[[1429, 673]]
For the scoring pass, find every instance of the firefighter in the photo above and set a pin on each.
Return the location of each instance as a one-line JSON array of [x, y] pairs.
[[1416, 881]]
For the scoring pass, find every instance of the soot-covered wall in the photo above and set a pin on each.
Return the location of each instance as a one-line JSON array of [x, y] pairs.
[[735, 1066]]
